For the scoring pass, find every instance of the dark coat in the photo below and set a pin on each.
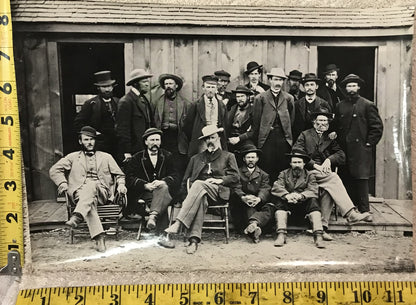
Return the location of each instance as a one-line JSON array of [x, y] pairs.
[[227, 96], [264, 115], [331, 96], [358, 123], [183, 107], [245, 124], [195, 120], [302, 121], [260, 84], [256, 183], [132, 120], [319, 148], [305, 185], [223, 166], [139, 171]]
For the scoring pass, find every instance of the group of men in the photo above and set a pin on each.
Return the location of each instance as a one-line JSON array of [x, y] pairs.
[[270, 150]]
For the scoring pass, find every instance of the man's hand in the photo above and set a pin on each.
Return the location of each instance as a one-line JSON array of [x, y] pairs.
[[291, 198], [149, 187], [246, 199], [234, 140], [63, 187], [121, 189], [158, 183], [298, 197], [333, 135], [326, 166], [127, 157], [254, 200], [214, 180]]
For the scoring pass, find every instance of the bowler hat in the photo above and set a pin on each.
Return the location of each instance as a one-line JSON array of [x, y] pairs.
[[150, 131], [279, 72], [352, 78], [251, 66], [176, 78], [210, 79], [310, 77], [137, 74], [210, 130], [329, 115], [248, 148], [89, 131], [331, 68], [298, 153], [224, 75], [103, 78], [242, 89], [295, 75]]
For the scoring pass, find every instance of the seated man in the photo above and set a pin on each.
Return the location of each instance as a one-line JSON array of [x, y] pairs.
[[295, 192], [211, 173], [87, 175], [325, 155], [151, 175], [249, 198]]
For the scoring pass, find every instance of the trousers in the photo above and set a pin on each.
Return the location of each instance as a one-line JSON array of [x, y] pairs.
[[158, 202]]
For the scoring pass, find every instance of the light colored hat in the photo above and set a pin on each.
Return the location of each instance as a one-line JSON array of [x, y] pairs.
[[279, 72], [138, 74], [210, 130]]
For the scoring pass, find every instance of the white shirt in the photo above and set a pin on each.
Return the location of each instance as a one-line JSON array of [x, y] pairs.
[[211, 111], [153, 159], [135, 91]]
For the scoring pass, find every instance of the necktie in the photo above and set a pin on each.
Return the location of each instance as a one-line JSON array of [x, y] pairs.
[[89, 153], [211, 106]]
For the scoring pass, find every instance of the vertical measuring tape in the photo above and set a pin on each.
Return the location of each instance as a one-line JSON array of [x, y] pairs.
[[11, 220]]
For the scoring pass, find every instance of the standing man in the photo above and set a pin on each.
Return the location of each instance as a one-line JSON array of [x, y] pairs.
[[272, 124], [254, 72], [171, 109], [211, 173], [292, 84], [223, 95], [240, 119], [307, 105], [152, 177], [135, 114], [359, 128], [331, 92], [249, 201], [295, 193], [100, 113], [206, 111], [88, 177]]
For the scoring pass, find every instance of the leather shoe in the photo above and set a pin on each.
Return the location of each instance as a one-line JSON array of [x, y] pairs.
[[151, 222], [166, 243], [100, 243], [256, 235], [192, 247], [327, 237], [74, 221]]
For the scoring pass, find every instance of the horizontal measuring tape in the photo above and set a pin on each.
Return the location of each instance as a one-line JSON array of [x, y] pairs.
[[326, 293], [11, 220]]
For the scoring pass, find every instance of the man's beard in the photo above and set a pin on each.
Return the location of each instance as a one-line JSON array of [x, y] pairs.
[[251, 164], [296, 172], [106, 95], [321, 127], [351, 95], [241, 106], [85, 149], [212, 145], [294, 89], [330, 83], [170, 93]]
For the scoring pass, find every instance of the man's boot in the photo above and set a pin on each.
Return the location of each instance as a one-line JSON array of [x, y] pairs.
[[100, 243], [151, 222], [354, 216], [75, 220], [315, 218], [281, 228]]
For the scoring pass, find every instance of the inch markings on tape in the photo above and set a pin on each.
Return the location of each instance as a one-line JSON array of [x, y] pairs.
[[327, 293], [11, 220]]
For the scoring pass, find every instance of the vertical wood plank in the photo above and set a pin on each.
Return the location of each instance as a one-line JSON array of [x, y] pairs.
[[230, 54], [195, 68], [276, 50], [312, 60], [147, 54], [128, 61], [288, 48], [183, 59], [160, 59], [298, 57], [207, 62]]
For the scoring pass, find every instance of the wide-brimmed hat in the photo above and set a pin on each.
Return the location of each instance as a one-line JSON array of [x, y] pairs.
[[352, 78], [295, 75], [150, 131], [242, 89], [210, 130], [138, 74], [103, 78], [330, 68], [251, 66], [210, 79], [329, 115], [89, 131], [310, 77], [224, 75], [279, 72], [176, 78], [248, 148], [299, 154]]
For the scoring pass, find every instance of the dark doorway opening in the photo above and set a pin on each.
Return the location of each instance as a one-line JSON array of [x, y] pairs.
[[79, 62], [357, 60]]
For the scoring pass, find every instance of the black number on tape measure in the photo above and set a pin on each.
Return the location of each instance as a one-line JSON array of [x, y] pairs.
[[287, 297], [7, 88], [11, 216], [219, 298], [6, 120], [43, 300], [10, 184], [8, 153], [4, 20], [4, 55], [149, 299], [389, 298], [11, 247], [80, 298], [321, 296], [184, 298], [366, 296], [253, 295], [115, 299]]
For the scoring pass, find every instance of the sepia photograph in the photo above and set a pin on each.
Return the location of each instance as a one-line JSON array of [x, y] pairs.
[[184, 138]]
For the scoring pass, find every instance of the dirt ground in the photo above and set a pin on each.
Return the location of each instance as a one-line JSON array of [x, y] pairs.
[[349, 252]]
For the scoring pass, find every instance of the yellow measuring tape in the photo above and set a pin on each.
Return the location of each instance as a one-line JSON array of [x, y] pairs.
[[326, 293], [11, 220]]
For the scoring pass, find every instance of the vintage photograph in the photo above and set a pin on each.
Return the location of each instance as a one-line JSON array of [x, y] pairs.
[[183, 138]]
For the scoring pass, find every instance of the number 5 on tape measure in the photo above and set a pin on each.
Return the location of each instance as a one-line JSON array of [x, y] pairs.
[[11, 222]]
